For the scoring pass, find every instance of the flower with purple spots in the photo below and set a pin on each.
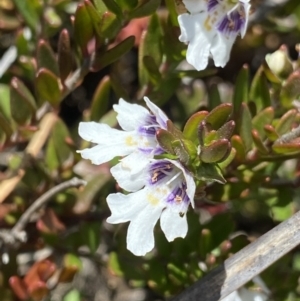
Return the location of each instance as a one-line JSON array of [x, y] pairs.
[[166, 193], [136, 143], [211, 28]]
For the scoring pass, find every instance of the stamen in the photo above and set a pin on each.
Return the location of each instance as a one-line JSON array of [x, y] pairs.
[[178, 199], [155, 176]]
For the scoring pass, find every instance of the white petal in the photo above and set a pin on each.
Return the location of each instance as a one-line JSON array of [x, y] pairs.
[[187, 27], [221, 49], [194, 6], [159, 114], [140, 237], [234, 296], [247, 13], [130, 116], [129, 173], [247, 295], [190, 182], [97, 132], [173, 225], [124, 208], [200, 40], [111, 142]]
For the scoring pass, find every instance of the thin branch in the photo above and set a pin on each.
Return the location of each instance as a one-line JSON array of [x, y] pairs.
[[288, 137], [243, 266], [42, 200], [17, 233]]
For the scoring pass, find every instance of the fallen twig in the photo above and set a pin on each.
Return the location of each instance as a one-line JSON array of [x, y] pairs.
[[17, 233], [246, 264]]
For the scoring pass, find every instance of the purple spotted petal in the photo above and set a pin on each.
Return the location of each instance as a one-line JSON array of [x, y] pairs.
[[234, 22], [178, 195], [159, 170], [212, 4]]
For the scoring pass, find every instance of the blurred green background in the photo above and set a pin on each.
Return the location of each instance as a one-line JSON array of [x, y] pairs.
[[64, 61]]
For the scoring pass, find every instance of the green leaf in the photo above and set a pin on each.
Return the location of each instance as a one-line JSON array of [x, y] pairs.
[[190, 130], [5, 126], [214, 98], [174, 130], [228, 160], [28, 10], [5, 101], [100, 99], [171, 6], [258, 143], [104, 59], [152, 68], [59, 153], [111, 25], [165, 140], [22, 103], [282, 213], [51, 157], [205, 133], [271, 133], [238, 145], [286, 148], [72, 295], [209, 172], [114, 264], [261, 119], [244, 126], [90, 235], [113, 7], [47, 86], [216, 151], [194, 73], [290, 90], [150, 45], [219, 115], [46, 58], [83, 27], [96, 18], [72, 261], [259, 91], [100, 6], [146, 8], [128, 4], [23, 46], [181, 152], [65, 62], [226, 131], [241, 89], [286, 121]]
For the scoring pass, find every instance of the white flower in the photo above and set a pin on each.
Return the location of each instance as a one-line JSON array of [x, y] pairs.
[[168, 190], [136, 142], [211, 28], [244, 294]]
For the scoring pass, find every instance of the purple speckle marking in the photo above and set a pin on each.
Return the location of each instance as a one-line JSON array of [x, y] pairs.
[[234, 22], [150, 127], [211, 4], [159, 170], [179, 195]]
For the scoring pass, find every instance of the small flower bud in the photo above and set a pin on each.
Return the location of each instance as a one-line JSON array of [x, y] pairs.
[[280, 63]]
